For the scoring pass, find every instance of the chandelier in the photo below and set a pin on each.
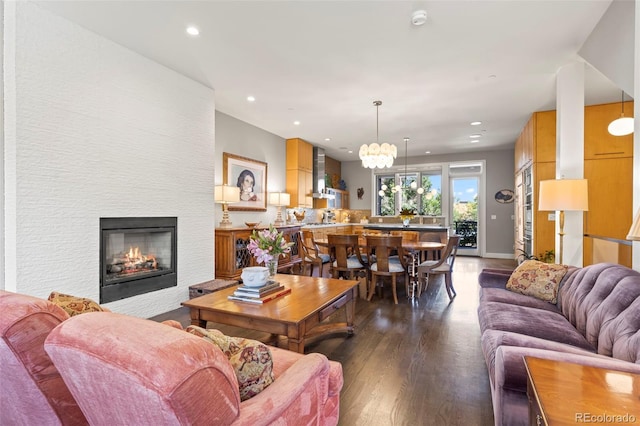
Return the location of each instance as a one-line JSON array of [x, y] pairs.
[[414, 184], [622, 126], [404, 187], [376, 155]]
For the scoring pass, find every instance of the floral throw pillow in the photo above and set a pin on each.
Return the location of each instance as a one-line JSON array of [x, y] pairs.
[[74, 305], [250, 359], [537, 279]]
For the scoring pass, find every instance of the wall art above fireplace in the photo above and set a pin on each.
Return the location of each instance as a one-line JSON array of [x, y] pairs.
[[137, 255]]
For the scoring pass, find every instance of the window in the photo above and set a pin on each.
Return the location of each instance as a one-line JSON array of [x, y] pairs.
[[420, 191], [431, 204], [385, 201]]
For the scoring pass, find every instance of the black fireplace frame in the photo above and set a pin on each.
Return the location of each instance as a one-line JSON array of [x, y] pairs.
[[131, 286]]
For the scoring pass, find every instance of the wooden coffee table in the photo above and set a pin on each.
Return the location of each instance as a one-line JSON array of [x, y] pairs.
[[297, 315]]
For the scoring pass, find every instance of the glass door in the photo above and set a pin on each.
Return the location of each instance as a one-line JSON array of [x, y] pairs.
[[465, 198]]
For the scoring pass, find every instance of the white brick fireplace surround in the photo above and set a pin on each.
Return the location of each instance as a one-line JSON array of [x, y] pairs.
[[95, 130]]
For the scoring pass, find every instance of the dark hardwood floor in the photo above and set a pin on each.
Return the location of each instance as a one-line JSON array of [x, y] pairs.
[[415, 363]]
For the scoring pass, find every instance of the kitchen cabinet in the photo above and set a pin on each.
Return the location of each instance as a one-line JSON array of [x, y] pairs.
[[608, 168], [299, 178], [535, 160], [341, 200], [610, 209], [232, 253], [598, 143]]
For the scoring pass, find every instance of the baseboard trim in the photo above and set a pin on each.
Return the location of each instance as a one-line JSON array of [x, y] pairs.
[[500, 256]]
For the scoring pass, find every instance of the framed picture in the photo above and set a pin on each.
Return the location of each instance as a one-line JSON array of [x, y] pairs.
[[250, 176]]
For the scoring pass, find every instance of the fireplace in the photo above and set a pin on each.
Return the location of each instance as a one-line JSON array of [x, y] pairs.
[[137, 256]]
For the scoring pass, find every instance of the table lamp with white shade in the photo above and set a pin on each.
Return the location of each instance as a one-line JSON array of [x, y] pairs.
[[279, 199], [225, 195]]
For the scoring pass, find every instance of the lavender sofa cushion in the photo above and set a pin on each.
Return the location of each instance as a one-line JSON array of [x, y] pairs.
[[494, 278], [503, 296], [493, 339], [534, 322]]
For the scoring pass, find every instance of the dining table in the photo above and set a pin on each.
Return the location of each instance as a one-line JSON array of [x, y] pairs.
[[421, 247]]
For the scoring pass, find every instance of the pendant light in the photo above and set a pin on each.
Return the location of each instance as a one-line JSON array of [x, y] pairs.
[[376, 155], [621, 126]]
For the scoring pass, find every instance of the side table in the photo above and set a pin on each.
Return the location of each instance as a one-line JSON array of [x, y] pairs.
[[563, 393]]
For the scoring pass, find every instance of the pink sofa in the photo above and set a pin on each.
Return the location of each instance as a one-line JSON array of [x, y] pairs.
[[32, 391], [125, 370]]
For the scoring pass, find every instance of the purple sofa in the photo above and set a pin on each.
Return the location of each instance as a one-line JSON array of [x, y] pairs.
[[595, 322]]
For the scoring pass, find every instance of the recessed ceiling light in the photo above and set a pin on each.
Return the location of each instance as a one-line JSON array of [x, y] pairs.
[[475, 141], [327, 139], [476, 123], [194, 31], [427, 152], [475, 135], [251, 99], [350, 151], [419, 17], [296, 123]]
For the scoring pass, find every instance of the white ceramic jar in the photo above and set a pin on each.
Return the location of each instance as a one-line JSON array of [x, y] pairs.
[[255, 276]]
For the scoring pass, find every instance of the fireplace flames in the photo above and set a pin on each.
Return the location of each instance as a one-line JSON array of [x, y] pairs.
[[132, 262]]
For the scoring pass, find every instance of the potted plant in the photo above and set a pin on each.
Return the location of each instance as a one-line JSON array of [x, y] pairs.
[[406, 214]]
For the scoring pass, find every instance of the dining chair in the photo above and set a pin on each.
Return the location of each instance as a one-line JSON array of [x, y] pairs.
[[434, 237], [443, 266], [390, 261], [346, 259], [310, 254]]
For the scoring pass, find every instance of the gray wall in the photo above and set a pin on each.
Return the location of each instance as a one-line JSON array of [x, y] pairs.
[[240, 138], [499, 175]]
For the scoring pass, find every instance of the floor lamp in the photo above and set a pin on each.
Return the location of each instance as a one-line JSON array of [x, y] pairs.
[[560, 195], [225, 195], [634, 232], [279, 199]]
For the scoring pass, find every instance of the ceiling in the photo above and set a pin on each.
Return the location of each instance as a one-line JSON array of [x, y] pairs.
[[323, 63]]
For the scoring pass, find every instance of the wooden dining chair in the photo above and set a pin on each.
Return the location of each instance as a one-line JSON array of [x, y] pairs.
[[346, 259], [390, 261], [443, 266], [310, 254]]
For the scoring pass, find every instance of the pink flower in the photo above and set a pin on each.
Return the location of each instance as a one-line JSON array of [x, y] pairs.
[[268, 244]]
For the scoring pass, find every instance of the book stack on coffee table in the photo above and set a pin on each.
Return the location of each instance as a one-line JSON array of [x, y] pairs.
[[270, 291]]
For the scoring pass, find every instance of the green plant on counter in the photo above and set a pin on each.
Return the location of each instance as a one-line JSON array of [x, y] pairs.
[[548, 256]]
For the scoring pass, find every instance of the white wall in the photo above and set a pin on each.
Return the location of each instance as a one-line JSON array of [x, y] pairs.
[[95, 130]]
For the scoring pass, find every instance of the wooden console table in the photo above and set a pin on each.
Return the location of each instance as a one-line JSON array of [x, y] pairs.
[[562, 393], [232, 254]]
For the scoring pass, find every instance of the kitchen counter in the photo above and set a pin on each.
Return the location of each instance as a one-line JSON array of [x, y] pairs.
[[322, 225], [401, 227]]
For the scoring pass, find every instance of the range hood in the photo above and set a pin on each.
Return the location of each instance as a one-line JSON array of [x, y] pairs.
[[319, 171]]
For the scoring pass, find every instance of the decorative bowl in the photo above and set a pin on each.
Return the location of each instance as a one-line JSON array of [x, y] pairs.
[[255, 276], [252, 224]]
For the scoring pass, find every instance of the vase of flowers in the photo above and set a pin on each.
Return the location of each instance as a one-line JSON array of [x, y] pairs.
[[406, 214], [267, 246]]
